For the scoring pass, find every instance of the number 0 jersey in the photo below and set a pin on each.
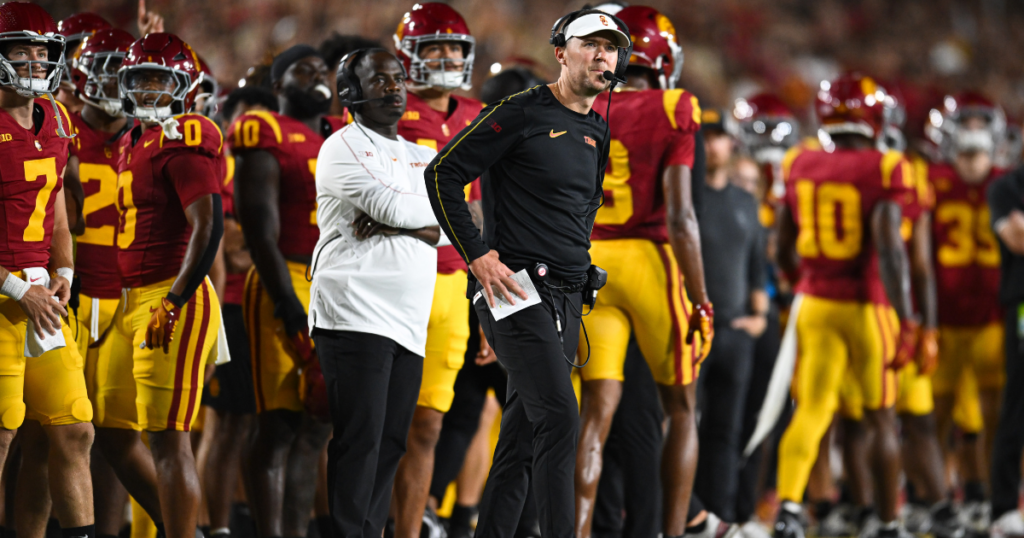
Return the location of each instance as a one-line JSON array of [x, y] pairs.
[[428, 127], [296, 147], [831, 196], [97, 154], [650, 131], [30, 161], [158, 178], [966, 250]]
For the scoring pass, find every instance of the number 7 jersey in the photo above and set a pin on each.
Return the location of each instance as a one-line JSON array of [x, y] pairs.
[[29, 168], [831, 196], [650, 131], [153, 232]]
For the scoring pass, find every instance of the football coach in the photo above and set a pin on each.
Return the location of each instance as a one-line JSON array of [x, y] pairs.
[[541, 156]]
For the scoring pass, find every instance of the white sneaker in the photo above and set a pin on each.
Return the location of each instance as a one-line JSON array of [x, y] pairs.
[[976, 517], [1009, 525], [716, 528], [753, 529], [838, 523]]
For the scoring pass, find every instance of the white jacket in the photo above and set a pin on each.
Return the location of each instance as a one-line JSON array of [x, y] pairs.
[[383, 285]]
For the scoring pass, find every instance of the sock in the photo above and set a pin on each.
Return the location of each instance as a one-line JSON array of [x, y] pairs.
[[974, 491], [698, 528], [205, 529], [326, 526], [822, 509], [88, 531], [461, 516]]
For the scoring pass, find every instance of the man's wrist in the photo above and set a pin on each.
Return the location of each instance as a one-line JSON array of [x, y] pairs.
[[14, 287], [67, 272], [175, 299]]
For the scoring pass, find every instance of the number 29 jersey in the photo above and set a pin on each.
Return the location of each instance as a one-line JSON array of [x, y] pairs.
[[650, 131], [153, 232], [29, 185], [831, 196]]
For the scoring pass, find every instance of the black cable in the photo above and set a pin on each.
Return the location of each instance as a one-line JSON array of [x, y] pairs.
[[558, 321]]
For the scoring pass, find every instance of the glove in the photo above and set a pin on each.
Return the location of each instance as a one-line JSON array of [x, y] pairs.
[[296, 326], [928, 351], [160, 331], [314, 390], [702, 320], [906, 344]]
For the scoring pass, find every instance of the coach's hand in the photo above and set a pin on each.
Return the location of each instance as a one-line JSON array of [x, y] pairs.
[[702, 320], [491, 273], [160, 331], [44, 312], [365, 228], [928, 351]]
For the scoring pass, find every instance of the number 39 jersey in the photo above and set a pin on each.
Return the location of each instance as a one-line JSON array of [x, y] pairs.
[[831, 196], [650, 131], [29, 185], [157, 179], [97, 154], [966, 250], [296, 147]]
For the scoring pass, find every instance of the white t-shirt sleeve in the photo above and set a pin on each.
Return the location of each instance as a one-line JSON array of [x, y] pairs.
[[349, 167]]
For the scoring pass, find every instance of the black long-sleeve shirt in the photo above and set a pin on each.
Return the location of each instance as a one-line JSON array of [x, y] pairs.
[[732, 246], [1005, 195], [541, 167]]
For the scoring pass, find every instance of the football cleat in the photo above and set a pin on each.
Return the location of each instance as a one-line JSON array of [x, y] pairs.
[[432, 526], [788, 524], [1009, 525], [715, 528], [839, 522]]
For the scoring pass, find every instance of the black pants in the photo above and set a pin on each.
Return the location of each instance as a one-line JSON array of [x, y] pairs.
[[630, 482], [540, 424], [724, 382], [1009, 440], [372, 387], [231, 390]]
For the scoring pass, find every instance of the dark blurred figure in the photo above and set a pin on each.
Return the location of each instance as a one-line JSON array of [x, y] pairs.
[[333, 49]]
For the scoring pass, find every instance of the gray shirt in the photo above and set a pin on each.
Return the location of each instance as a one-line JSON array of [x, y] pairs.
[[732, 244]]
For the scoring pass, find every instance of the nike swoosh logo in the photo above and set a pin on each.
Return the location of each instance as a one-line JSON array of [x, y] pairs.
[[558, 134], [35, 279], [151, 310], [148, 143]]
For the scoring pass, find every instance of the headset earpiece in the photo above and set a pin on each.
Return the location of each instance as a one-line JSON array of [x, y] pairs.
[[348, 87]]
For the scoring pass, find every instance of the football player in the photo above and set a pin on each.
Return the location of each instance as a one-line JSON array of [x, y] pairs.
[[967, 270], [275, 201], [75, 29], [42, 372], [169, 229], [94, 156], [842, 217], [437, 50], [646, 237]]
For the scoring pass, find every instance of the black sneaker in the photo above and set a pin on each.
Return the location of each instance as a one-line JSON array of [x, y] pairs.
[[788, 524], [945, 522], [432, 526]]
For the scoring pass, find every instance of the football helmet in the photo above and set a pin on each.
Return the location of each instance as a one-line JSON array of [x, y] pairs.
[[431, 22], [765, 127], [209, 90], [655, 44], [75, 29], [895, 114], [951, 124], [1008, 153], [851, 104], [95, 64], [177, 63], [21, 22]]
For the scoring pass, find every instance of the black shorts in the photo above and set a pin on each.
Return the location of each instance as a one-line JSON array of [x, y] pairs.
[[231, 390]]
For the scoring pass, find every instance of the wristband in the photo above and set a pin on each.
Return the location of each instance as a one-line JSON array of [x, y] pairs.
[[68, 273], [14, 287]]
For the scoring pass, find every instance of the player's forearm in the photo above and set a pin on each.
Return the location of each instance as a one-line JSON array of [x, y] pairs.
[[921, 272], [893, 264], [61, 248], [759, 302], [261, 236], [684, 236], [207, 220]]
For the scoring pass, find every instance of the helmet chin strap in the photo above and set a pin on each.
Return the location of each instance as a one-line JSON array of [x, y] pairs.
[[111, 107], [162, 116], [56, 113]]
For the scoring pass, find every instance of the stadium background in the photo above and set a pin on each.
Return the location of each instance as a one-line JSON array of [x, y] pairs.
[[732, 47]]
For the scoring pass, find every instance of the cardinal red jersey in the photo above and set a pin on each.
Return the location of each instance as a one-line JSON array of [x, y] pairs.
[[32, 162], [966, 250], [153, 232], [97, 154], [650, 131], [296, 147], [428, 127], [234, 283], [830, 196]]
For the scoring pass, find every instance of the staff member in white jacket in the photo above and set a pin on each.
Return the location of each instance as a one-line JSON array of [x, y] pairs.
[[373, 280]]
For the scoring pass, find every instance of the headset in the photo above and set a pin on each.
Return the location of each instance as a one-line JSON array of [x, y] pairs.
[[558, 39], [350, 91]]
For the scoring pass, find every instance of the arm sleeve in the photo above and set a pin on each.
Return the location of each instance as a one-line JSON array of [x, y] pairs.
[[349, 168], [697, 172], [206, 261], [486, 140], [1004, 196]]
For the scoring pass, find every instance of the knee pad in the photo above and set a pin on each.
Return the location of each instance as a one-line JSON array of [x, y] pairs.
[[14, 416], [81, 409]]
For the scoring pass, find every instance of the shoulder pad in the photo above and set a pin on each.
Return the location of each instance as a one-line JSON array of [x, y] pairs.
[[257, 129], [197, 133], [682, 109]]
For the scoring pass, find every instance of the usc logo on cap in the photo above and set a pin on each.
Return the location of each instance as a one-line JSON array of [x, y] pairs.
[[604, 20]]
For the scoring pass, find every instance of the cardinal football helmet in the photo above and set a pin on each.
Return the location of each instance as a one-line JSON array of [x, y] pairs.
[[29, 23], [951, 125], [75, 29], [175, 60], [766, 127], [655, 44], [851, 104], [427, 23], [95, 64]]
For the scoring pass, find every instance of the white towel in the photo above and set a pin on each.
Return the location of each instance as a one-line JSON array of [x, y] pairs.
[[223, 355], [35, 346]]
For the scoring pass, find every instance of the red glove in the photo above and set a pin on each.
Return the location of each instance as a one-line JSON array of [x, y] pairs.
[[160, 331], [906, 345], [702, 320], [314, 390], [928, 351], [303, 345]]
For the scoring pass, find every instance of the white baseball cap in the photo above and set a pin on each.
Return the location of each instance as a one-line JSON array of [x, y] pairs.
[[593, 23]]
